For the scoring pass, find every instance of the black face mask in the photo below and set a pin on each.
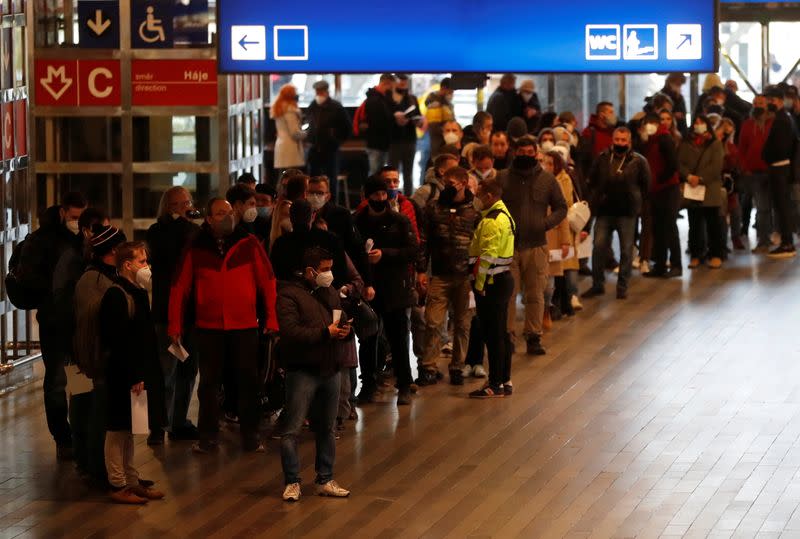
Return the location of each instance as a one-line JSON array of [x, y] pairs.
[[524, 162], [378, 206], [401, 91], [772, 107], [758, 112], [447, 195], [620, 149]]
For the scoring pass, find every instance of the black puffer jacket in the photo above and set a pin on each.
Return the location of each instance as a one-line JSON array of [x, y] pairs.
[[379, 120], [304, 316], [617, 184], [448, 234], [166, 240], [328, 126]]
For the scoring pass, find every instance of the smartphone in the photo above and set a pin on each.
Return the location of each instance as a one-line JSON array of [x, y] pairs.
[[344, 323]]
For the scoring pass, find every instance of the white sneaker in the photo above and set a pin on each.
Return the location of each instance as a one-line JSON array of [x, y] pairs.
[[644, 267], [332, 489], [479, 371], [292, 492], [616, 270], [466, 371], [576, 303]]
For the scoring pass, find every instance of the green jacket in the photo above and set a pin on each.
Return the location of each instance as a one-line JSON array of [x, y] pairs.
[[492, 249], [704, 161]]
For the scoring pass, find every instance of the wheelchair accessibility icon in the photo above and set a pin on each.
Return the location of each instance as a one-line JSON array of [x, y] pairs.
[[151, 29]]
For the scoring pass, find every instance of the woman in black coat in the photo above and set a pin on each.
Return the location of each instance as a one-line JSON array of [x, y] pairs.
[[128, 336]]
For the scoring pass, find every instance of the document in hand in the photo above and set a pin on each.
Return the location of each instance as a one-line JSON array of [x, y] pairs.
[[697, 193], [177, 350], [139, 423]]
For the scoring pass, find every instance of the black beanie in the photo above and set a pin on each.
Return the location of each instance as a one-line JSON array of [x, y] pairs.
[[373, 185]]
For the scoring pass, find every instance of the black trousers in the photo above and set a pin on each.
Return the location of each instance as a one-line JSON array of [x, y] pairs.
[[396, 329], [216, 349], [476, 343], [55, 386], [493, 313], [780, 179], [705, 232], [665, 205]]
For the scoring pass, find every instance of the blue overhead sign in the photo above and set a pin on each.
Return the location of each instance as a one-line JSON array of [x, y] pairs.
[[483, 36]]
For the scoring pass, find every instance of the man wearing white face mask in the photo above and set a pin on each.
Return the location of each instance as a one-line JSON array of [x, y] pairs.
[[243, 201], [452, 134], [483, 164], [328, 127]]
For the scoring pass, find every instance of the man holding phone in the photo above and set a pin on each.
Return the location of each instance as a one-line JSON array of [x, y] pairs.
[[313, 329]]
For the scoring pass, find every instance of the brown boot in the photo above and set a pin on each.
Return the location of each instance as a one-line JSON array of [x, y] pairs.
[[127, 496], [148, 493]]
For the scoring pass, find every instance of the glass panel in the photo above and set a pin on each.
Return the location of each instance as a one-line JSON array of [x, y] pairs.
[[354, 87], [81, 139], [569, 96], [19, 56], [302, 82], [189, 138], [741, 41], [783, 50], [148, 188], [637, 89], [101, 190]]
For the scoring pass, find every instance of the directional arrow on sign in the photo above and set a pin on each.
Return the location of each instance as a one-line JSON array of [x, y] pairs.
[[243, 42], [687, 38], [98, 25], [56, 82]]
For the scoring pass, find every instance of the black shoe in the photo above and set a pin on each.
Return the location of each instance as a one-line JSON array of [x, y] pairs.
[[156, 438], [339, 423], [784, 251], [535, 346], [404, 397], [622, 293], [427, 378], [146, 483], [508, 390], [439, 376], [64, 453], [488, 392], [366, 395], [456, 378], [593, 292], [674, 272], [555, 313], [189, 432], [656, 273], [585, 270]]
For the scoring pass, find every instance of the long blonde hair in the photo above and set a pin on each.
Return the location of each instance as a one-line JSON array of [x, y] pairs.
[[285, 101]]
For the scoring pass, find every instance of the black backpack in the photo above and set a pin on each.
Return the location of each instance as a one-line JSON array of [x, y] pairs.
[[19, 292]]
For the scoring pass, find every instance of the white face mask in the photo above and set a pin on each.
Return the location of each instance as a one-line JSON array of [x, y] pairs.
[[72, 226], [250, 215], [700, 129], [547, 146], [526, 96], [316, 201], [320, 99], [483, 174], [144, 278], [324, 279], [650, 129], [451, 137]]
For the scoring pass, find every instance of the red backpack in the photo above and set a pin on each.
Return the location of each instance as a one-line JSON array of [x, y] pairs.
[[360, 123]]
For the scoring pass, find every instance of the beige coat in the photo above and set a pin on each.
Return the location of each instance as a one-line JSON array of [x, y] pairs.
[[562, 234]]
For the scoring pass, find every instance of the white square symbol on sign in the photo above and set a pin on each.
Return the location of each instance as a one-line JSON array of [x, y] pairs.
[[640, 42], [248, 42], [602, 42], [292, 34], [684, 42]]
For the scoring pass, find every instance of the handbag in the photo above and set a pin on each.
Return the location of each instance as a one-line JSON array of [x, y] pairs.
[[365, 321], [578, 215]]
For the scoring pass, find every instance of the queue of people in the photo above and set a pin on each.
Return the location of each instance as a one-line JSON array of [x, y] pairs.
[[283, 287]]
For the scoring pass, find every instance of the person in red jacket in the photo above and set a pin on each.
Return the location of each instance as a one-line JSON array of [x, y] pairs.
[[596, 138], [753, 183], [658, 146], [225, 276]]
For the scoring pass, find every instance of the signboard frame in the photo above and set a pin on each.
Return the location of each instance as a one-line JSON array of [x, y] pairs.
[[223, 71]]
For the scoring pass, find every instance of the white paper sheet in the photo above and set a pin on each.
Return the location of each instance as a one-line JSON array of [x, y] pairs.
[[177, 350], [694, 193], [337, 315], [555, 255], [139, 423], [77, 382], [585, 248], [472, 304]]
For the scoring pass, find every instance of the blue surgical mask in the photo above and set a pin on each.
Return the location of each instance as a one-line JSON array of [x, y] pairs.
[[264, 211], [392, 193]]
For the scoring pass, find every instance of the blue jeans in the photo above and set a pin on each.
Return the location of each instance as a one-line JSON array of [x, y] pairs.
[[377, 159], [604, 227], [302, 390], [179, 379]]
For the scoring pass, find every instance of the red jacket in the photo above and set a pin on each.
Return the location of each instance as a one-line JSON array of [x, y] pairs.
[[751, 142], [226, 289], [599, 133], [662, 156]]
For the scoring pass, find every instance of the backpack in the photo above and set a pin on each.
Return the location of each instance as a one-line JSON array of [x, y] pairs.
[[360, 123], [88, 352], [18, 289], [433, 192]]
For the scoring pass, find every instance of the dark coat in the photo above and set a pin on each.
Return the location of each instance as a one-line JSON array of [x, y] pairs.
[[340, 223], [392, 277], [130, 340], [304, 316], [618, 184], [166, 240], [448, 235], [504, 105], [287, 254], [405, 133], [379, 120], [328, 126]]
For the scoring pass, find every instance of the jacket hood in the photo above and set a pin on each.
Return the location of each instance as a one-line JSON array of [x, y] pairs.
[[372, 92]]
